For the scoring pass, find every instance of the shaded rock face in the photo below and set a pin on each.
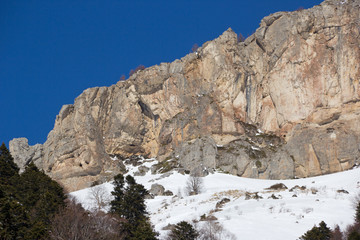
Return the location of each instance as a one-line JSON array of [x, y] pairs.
[[297, 79]]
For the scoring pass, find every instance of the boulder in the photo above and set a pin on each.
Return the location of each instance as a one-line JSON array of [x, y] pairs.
[[157, 190]]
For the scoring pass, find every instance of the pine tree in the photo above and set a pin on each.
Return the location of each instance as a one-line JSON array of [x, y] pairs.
[[27, 201], [183, 231], [134, 200], [143, 231], [353, 231], [129, 203], [317, 233], [8, 167], [353, 236], [41, 197], [117, 205], [14, 222], [324, 231], [357, 213], [37, 190]]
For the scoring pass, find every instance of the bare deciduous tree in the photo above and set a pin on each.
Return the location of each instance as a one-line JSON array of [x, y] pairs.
[[194, 185], [73, 222], [195, 47], [212, 230], [241, 38], [138, 68], [100, 197]]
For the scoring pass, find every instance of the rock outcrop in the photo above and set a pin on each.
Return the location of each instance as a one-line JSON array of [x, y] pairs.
[[284, 103]]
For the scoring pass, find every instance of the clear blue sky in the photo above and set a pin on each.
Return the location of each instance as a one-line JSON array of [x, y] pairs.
[[50, 51]]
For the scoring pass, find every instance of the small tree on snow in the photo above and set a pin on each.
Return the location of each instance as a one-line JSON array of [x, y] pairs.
[[100, 197], [194, 185], [214, 231]]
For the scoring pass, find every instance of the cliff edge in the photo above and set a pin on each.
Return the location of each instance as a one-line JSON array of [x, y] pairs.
[[284, 103]]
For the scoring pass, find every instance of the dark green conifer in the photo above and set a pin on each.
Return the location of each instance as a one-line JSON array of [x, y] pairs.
[[317, 233], [117, 204], [134, 199], [183, 231], [42, 198], [129, 203], [357, 213], [14, 222], [8, 167], [143, 231], [39, 192], [353, 236]]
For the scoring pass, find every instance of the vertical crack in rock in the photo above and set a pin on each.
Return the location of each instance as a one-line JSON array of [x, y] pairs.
[[248, 94]]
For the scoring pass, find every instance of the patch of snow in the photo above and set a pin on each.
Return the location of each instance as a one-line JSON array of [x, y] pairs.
[[255, 148]]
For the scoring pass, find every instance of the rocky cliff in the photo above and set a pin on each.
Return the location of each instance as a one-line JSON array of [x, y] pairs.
[[284, 103]]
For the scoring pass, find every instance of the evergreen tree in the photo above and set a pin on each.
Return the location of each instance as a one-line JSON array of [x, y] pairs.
[[8, 167], [317, 233], [129, 203], [143, 231], [27, 201], [39, 193], [40, 199], [117, 205], [134, 200], [14, 222], [353, 236], [357, 213], [183, 231], [353, 231]]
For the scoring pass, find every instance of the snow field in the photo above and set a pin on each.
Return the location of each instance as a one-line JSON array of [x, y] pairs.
[[287, 217]]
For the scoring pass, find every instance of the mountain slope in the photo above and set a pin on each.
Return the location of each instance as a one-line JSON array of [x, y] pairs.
[[282, 104], [327, 198]]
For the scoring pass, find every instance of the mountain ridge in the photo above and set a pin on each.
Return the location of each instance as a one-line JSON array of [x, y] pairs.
[[284, 103]]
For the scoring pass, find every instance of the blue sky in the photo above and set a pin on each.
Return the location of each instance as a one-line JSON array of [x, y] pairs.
[[50, 51]]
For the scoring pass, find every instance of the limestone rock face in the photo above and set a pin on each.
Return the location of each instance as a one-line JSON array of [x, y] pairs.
[[24, 153], [199, 155], [284, 103]]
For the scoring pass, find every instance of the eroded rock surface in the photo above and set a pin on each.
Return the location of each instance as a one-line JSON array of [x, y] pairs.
[[296, 79]]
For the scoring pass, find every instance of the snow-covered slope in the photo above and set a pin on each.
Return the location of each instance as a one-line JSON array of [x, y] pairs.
[[328, 198]]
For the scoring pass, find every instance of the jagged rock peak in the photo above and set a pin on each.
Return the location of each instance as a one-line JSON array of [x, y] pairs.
[[284, 103]]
